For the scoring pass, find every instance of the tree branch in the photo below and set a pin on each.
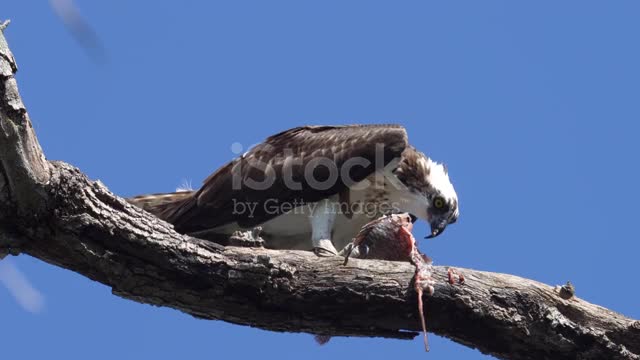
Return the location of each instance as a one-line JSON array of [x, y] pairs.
[[51, 211], [22, 161]]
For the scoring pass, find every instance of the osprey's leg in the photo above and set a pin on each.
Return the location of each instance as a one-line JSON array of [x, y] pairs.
[[322, 220], [355, 251]]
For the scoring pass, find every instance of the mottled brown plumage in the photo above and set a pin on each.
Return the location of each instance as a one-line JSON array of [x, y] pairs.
[[398, 178], [211, 206]]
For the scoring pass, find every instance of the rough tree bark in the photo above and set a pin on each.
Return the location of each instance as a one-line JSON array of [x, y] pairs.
[[51, 211]]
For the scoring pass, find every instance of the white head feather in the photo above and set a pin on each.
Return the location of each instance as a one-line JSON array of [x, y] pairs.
[[439, 178]]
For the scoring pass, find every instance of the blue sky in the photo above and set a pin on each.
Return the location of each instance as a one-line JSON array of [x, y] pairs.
[[533, 106]]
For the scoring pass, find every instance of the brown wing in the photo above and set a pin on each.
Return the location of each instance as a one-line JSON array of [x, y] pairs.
[[280, 161], [161, 205]]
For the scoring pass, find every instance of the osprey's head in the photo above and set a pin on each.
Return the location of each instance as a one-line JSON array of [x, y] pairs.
[[442, 199], [429, 194]]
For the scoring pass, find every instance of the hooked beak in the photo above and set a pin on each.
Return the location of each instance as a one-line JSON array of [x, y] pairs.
[[437, 227]]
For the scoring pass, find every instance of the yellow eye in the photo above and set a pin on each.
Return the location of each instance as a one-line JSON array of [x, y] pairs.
[[438, 203]]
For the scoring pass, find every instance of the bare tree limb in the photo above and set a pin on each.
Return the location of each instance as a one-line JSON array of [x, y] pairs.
[[51, 211], [22, 162]]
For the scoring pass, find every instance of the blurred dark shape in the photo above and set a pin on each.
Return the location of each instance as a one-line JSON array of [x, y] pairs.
[[83, 33]]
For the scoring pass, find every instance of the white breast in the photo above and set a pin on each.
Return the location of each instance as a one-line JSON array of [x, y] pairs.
[[368, 200]]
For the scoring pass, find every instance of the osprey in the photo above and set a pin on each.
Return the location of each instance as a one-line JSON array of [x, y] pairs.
[[313, 188]]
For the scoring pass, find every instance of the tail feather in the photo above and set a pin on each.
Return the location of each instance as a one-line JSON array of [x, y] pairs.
[[164, 205]]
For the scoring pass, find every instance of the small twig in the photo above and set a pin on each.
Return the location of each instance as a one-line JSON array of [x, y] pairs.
[[5, 24]]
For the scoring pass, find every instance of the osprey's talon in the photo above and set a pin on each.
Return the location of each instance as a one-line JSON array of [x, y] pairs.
[[322, 252], [325, 249], [354, 251], [346, 251]]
